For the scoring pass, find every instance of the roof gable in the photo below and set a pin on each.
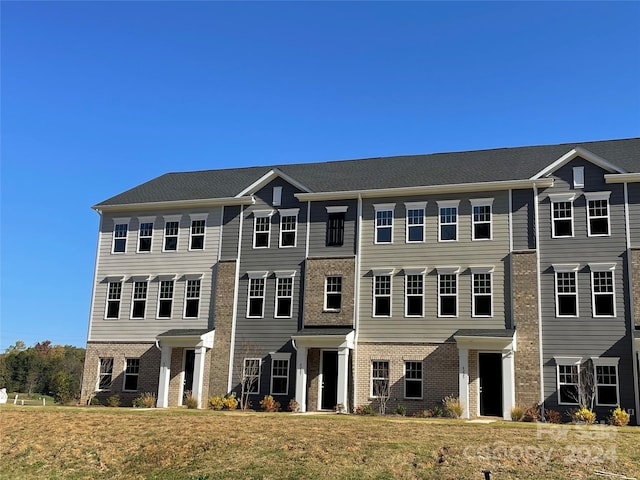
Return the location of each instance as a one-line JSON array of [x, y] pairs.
[[574, 153], [267, 178]]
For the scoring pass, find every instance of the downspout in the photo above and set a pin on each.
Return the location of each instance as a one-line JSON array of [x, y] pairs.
[[356, 308], [539, 287]]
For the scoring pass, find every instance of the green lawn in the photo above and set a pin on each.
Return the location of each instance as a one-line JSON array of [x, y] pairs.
[[108, 443]]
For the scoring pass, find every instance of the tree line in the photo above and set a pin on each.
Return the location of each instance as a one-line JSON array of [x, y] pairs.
[[45, 369]]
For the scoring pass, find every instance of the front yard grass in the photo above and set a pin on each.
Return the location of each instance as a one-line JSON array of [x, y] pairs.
[[109, 443]]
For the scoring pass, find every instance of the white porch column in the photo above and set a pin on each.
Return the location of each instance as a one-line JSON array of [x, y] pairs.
[[163, 381], [301, 378], [508, 382], [343, 378], [463, 379], [198, 374]]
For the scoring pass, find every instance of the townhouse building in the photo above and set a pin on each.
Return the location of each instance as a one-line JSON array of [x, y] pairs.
[[503, 277]]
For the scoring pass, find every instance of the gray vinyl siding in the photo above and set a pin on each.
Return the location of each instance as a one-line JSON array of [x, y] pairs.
[[633, 191], [318, 229], [153, 263], [431, 254], [230, 230], [257, 337], [523, 220], [585, 336]]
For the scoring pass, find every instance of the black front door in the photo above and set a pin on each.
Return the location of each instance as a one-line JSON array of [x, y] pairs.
[[189, 362], [490, 373], [329, 380]]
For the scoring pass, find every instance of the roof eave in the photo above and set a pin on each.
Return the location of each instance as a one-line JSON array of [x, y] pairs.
[[622, 178], [196, 203], [427, 189]]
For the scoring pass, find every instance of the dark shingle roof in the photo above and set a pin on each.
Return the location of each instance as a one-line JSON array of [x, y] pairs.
[[312, 331], [185, 332], [383, 172], [506, 333]]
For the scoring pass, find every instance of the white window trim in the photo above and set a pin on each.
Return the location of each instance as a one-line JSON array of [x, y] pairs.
[[249, 297], [562, 198], [277, 297], [606, 362], [578, 177], [262, 214], [110, 280], [326, 293], [474, 294], [165, 278], [448, 204], [152, 221], [113, 363], [567, 361], [277, 196], [244, 369], [120, 221], [280, 356], [199, 297], [382, 273], [413, 380], [594, 196], [566, 268], [413, 272], [603, 267], [448, 271], [124, 374], [192, 218], [135, 280], [167, 219], [337, 209], [290, 212], [383, 207], [481, 202], [371, 393], [415, 206]]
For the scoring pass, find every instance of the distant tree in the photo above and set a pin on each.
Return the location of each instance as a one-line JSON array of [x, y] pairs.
[[19, 346]]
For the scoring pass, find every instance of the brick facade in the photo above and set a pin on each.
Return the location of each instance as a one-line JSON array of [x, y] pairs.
[[474, 384], [149, 357], [439, 373], [525, 313], [635, 282], [225, 286], [313, 378], [317, 269]]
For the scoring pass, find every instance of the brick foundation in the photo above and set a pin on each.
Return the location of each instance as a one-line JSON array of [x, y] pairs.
[[313, 378]]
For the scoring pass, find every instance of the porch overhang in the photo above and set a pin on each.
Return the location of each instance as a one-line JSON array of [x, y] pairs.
[[486, 339], [188, 337], [325, 337]]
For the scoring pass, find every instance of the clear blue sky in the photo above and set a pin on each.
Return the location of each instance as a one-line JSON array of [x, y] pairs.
[[98, 97]]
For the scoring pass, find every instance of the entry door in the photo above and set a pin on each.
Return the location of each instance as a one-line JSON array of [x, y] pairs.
[[490, 373], [329, 380], [189, 363]]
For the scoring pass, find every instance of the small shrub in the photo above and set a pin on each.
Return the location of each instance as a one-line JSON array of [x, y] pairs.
[[584, 415], [437, 411], [268, 404], [452, 406], [364, 410], [190, 401], [146, 400], [552, 416], [619, 417], [217, 402], [517, 412], [293, 406], [94, 401], [113, 401], [424, 414], [531, 414], [231, 402], [400, 410]]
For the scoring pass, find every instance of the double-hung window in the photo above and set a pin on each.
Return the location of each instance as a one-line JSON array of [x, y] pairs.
[[145, 234], [131, 374], [288, 227], [171, 232], [280, 373], [606, 373], [566, 276], [384, 222], [284, 294], [448, 291], [120, 230], [255, 305], [382, 293], [165, 298], [413, 380], [198, 229], [192, 298], [603, 298], [414, 292], [568, 380], [261, 228], [335, 226], [380, 378], [415, 221], [114, 296], [481, 218], [251, 375], [482, 291], [561, 215], [105, 373], [139, 300], [598, 214], [448, 221], [333, 293]]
